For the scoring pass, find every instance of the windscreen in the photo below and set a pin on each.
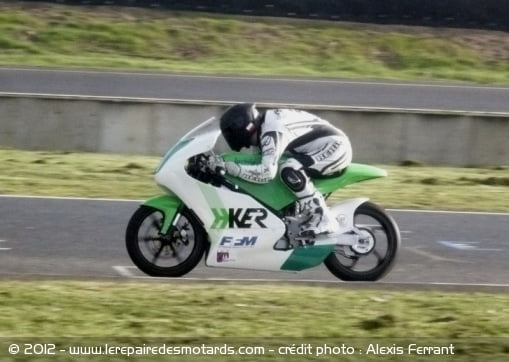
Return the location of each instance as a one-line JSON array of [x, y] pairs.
[[210, 125]]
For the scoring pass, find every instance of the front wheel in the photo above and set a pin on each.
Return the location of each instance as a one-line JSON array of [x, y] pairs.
[[374, 255], [164, 255]]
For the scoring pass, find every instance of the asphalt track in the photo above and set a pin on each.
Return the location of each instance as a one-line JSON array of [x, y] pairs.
[[84, 238], [349, 93]]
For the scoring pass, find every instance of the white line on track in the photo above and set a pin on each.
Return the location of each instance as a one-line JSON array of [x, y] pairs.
[[72, 198], [466, 245], [4, 249], [451, 212], [124, 271]]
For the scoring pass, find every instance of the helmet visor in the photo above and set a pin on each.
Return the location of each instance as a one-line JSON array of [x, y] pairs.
[[233, 139]]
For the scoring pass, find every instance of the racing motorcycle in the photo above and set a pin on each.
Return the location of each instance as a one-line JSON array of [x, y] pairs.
[[238, 224]]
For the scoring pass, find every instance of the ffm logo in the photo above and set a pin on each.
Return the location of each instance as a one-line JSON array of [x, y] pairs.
[[241, 242], [239, 218]]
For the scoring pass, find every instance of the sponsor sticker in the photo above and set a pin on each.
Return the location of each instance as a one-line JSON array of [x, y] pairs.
[[224, 256], [238, 242], [239, 218]]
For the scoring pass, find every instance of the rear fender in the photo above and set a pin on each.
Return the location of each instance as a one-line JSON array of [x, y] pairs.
[[169, 205], [345, 210]]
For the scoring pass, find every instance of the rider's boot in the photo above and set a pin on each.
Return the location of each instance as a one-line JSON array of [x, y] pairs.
[[311, 204], [318, 219]]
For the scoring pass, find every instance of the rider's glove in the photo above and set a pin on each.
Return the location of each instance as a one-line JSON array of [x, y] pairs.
[[214, 162], [232, 168]]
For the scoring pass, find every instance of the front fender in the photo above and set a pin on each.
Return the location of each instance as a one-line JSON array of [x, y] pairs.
[[169, 205]]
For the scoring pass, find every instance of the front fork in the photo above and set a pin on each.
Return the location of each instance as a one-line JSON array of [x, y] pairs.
[[169, 205]]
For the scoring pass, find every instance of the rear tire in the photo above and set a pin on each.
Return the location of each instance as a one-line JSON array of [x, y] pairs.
[[375, 258], [170, 255]]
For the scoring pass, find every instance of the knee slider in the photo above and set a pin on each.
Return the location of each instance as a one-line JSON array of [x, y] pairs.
[[295, 180], [294, 176]]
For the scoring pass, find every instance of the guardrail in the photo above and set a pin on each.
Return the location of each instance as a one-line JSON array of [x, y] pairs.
[[151, 126], [490, 14]]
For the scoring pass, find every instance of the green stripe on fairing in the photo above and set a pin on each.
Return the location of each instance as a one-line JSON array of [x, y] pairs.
[[221, 218], [215, 203], [168, 205], [307, 257], [211, 196]]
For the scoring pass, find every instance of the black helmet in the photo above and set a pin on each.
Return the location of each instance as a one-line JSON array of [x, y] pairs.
[[238, 124]]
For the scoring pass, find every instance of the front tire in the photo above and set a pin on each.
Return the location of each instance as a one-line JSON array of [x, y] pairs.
[[375, 256], [170, 255]]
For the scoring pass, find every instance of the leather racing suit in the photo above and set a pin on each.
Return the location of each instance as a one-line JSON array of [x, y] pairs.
[[314, 147]]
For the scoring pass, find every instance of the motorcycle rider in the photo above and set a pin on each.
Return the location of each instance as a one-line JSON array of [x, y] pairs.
[[315, 148]]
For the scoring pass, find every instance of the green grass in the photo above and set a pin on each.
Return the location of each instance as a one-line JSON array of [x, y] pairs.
[[104, 37], [77, 174], [127, 176], [173, 313]]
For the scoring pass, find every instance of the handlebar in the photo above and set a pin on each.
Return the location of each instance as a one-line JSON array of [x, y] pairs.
[[198, 168], [219, 176]]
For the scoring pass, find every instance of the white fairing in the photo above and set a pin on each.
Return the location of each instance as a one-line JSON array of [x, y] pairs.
[[242, 231], [251, 247], [248, 245]]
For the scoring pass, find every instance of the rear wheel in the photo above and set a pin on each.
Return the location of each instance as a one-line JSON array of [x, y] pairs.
[[375, 253], [171, 255]]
